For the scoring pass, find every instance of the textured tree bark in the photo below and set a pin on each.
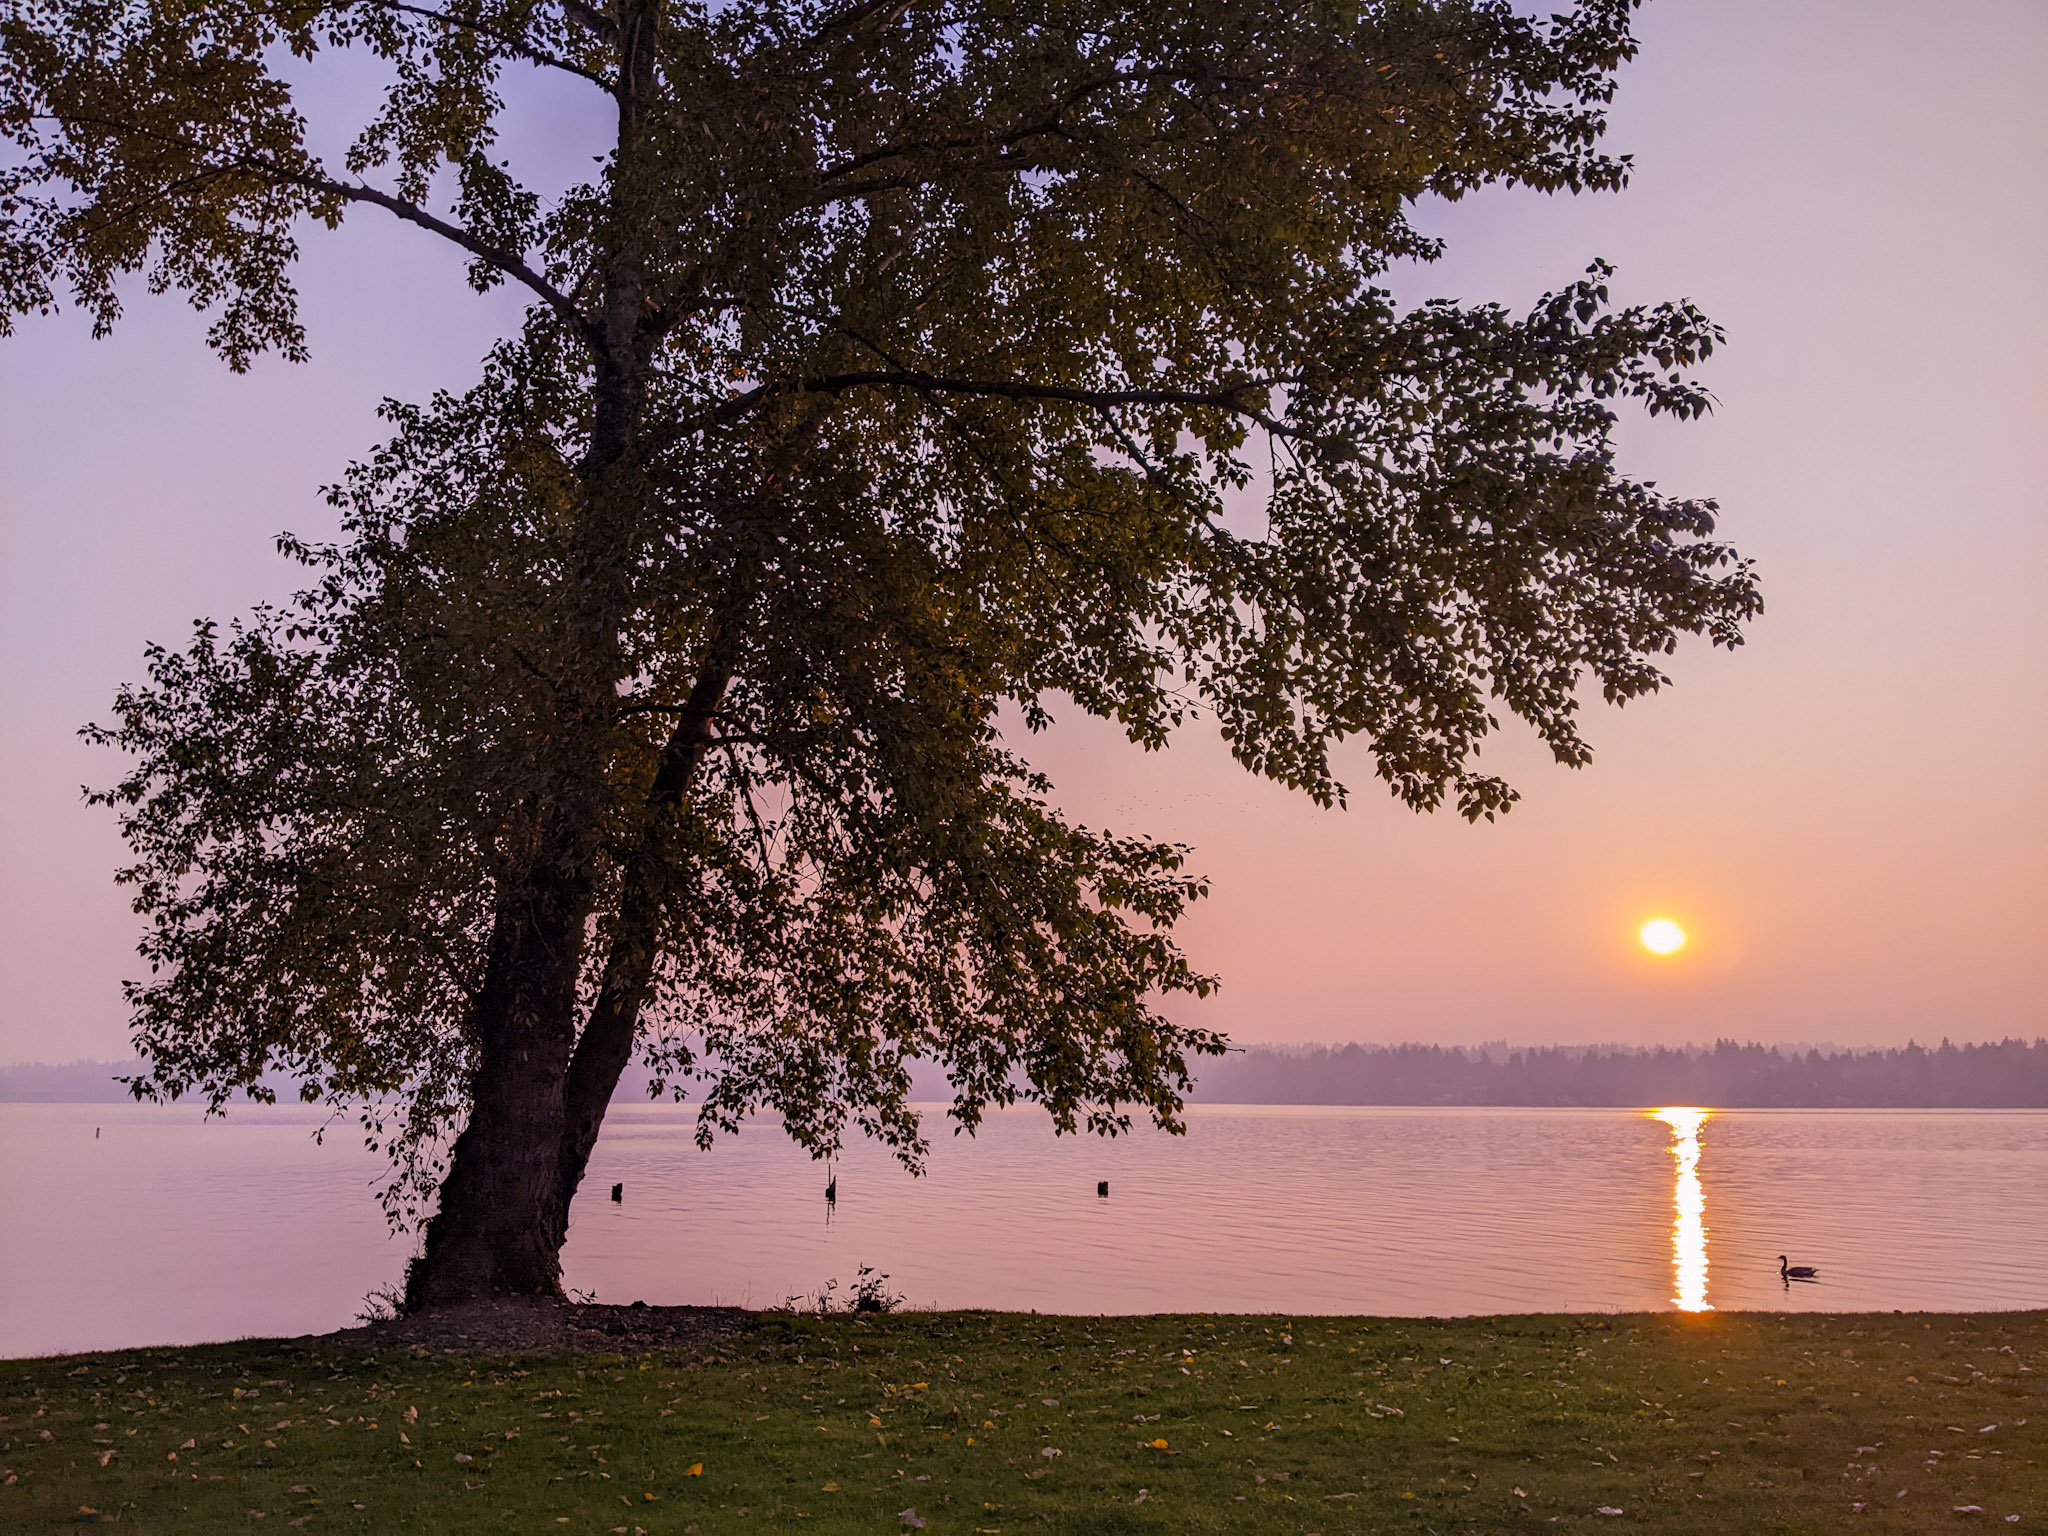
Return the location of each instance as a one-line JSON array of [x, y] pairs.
[[491, 1235]]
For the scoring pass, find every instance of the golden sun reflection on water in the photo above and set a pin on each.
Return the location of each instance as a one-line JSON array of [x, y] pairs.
[[1689, 1229]]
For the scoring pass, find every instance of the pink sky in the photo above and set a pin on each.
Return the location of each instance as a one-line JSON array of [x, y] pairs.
[[1848, 814]]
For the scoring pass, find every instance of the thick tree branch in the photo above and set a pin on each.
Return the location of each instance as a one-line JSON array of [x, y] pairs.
[[510, 263], [1235, 398], [607, 1040], [835, 183], [507, 262], [593, 21], [517, 44], [1050, 124]]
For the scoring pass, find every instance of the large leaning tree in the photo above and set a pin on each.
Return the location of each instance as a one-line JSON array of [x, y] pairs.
[[902, 373]]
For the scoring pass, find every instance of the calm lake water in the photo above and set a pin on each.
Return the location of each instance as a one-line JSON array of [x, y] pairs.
[[168, 1229]]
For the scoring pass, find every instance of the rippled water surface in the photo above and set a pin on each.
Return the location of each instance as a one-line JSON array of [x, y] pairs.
[[166, 1229]]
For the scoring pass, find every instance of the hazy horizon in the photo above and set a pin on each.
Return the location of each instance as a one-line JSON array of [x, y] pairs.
[[1845, 814], [1307, 1046]]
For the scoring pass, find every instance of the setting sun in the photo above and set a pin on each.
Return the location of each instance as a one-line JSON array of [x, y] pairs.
[[1661, 936]]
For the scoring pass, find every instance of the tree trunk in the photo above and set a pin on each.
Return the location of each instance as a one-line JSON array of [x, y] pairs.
[[493, 1234], [502, 1217]]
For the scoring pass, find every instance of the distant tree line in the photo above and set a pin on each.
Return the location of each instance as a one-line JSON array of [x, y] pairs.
[[69, 1082], [2011, 1074]]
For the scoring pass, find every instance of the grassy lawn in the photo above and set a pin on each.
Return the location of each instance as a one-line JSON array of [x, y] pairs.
[[999, 1422]]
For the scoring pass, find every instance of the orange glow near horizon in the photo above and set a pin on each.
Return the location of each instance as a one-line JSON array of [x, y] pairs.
[[1689, 1201]]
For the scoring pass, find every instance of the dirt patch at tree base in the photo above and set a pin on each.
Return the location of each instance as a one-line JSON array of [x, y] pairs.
[[538, 1327]]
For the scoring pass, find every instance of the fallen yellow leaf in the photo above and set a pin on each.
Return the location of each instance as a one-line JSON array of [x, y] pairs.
[[1158, 1445], [695, 1469]]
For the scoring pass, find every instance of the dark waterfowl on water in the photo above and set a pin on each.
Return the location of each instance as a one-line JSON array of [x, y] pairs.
[[1796, 1271]]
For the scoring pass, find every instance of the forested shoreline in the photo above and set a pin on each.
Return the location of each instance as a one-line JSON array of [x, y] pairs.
[[2007, 1074]]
